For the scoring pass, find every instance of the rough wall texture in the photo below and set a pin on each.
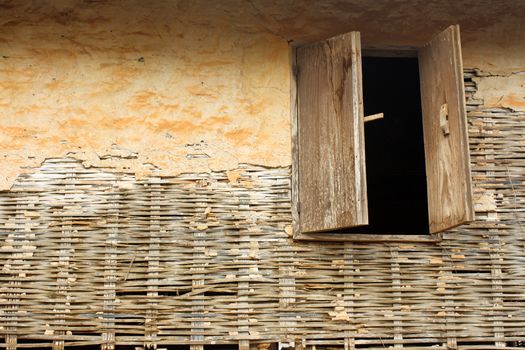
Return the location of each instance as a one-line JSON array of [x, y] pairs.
[[93, 256], [114, 245], [200, 86], [146, 83]]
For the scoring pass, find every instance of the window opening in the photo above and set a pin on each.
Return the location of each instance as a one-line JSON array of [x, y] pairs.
[[331, 197], [394, 148]]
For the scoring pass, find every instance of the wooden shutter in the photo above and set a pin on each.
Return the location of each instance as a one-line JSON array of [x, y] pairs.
[[329, 165], [445, 132]]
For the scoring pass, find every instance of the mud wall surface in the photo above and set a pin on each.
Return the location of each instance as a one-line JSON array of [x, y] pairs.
[[145, 157], [193, 86], [151, 85]]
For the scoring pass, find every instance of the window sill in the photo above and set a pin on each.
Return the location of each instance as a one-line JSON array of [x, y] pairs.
[[356, 237]]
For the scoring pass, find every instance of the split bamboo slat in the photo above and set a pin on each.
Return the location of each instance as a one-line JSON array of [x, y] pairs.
[[90, 256]]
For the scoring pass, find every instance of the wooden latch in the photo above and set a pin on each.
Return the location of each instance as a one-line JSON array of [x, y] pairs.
[[443, 119], [372, 117]]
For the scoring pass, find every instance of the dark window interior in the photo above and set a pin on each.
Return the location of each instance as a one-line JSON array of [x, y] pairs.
[[395, 158]]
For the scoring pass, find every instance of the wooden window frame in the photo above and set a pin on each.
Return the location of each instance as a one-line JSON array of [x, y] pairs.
[[355, 237]]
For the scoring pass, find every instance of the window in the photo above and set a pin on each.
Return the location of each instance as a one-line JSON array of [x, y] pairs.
[[330, 196]]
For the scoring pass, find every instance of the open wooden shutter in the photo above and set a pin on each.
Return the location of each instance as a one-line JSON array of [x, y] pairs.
[[445, 132], [329, 140]]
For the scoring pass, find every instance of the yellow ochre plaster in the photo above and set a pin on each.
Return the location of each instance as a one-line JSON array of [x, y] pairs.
[[193, 86], [136, 89]]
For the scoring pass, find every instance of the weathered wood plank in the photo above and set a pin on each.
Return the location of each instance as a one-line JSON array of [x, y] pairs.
[[364, 237], [330, 135], [295, 139], [390, 51], [445, 132]]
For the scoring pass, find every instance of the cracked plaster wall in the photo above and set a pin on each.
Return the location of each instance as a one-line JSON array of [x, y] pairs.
[[132, 89], [505, 91], [196, 86], [498, 52]]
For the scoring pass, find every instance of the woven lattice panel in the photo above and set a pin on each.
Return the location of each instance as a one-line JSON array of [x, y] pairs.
[[90, 256]]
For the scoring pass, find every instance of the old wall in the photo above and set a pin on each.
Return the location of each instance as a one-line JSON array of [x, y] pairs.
[[168, 221], [156, 84], [194, 86], [92, 256]]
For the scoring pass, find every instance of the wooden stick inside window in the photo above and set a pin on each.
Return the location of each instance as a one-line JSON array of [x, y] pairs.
[[374, 117]]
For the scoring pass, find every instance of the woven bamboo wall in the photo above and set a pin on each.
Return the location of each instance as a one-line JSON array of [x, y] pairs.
[[89, 256]]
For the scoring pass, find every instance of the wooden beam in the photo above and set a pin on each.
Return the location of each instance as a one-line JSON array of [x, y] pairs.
[[390, 51], [363, 237]]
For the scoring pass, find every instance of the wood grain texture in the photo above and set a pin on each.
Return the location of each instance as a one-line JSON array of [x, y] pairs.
[[295, 146], [366, 237], [330, 141], [446, 146]]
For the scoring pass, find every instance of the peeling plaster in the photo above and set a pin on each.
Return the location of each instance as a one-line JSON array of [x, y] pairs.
[[502, 91], [183, 86], [181, 95]]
